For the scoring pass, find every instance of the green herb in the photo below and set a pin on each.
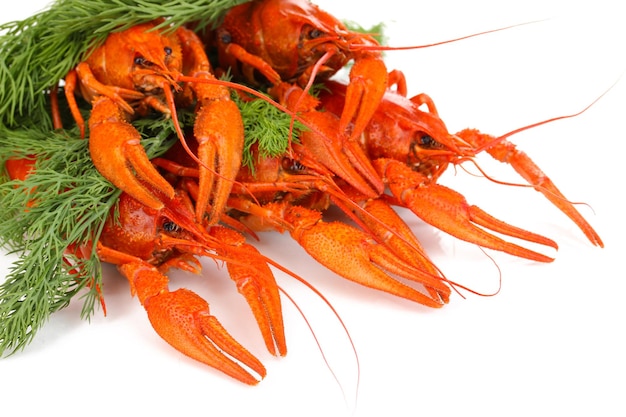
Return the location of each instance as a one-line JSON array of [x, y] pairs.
[[68, 202], [37, 52], [266, 127], [375, 31]]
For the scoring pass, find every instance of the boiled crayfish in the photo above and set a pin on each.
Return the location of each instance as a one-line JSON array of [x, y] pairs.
[[145, 243], [421, 150], [409, 149], [411, 185], [136, 70], [283, 194], [393, 142], [309, 43], [367, 148], [296, 41]]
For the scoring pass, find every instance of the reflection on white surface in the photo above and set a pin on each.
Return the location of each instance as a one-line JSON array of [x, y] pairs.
[[548, 342]]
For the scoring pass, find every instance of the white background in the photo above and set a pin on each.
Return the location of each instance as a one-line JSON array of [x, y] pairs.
[[550, 343]]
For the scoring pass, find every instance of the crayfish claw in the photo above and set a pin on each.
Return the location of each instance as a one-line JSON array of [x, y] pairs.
[[116, 151], [219, 132], [265, 306], [356, 256], [506, 152], [448, 211], [257, 284], [368, 83], [327, 144], [383, 221], [182, 319]]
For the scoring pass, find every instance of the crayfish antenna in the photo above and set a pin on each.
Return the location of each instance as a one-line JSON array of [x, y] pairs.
[[335, 313], [370, 47]]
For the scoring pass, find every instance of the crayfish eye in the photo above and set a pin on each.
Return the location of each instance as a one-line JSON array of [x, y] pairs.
[[315, 33], [292, 166], [427, 142], [226, 38], [170, 227], [168, 51], [139, 60], [309, 33]]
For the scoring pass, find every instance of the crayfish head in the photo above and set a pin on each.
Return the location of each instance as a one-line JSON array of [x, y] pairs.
[[427, 156], [154, 235], [136, 58], [156, 60], [323, 37], [290, 35]]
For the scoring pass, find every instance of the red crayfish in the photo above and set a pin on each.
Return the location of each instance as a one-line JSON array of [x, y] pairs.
[[145, 243], [366, 148], [136, 70]]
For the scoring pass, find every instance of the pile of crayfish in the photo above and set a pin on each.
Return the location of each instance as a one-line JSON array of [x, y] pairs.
[[363, 146]]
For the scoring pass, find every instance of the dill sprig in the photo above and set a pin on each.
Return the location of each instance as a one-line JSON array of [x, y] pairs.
[[267, 128], [62, 204], [37, 52], [67, 203]]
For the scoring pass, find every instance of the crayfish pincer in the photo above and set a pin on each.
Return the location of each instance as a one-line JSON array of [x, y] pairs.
[[145, 243], [139, 69]]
